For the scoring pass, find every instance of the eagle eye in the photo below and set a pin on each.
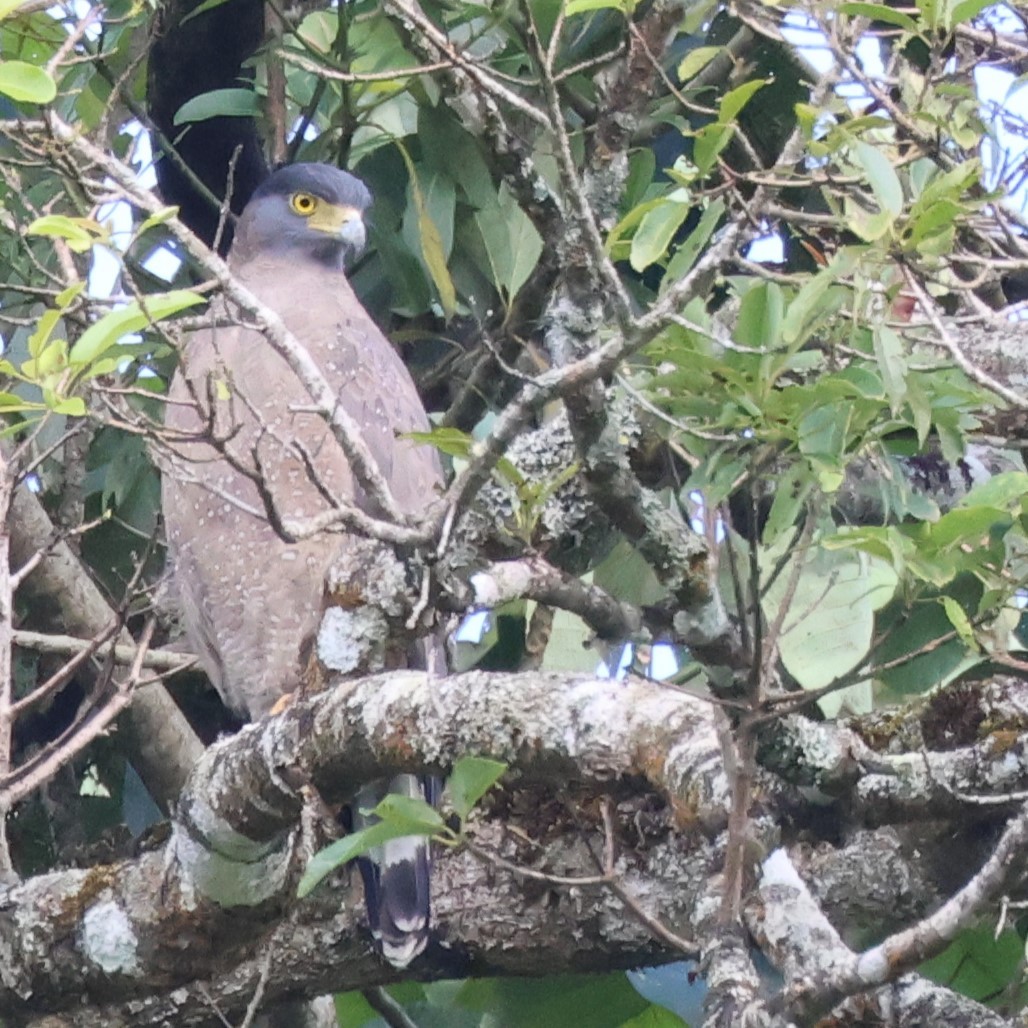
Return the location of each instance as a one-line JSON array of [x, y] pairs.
[[303, 203]]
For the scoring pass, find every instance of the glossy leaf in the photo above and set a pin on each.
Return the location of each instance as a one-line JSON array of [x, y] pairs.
[[26, 83], [102, 335], [219, 103], [656, 230]]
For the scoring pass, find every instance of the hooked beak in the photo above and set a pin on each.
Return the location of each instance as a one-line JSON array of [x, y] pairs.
[[345, 223]]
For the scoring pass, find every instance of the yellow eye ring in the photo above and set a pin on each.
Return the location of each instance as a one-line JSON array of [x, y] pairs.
[[303, 203]]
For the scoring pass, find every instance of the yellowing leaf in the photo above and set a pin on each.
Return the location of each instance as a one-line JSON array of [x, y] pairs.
[[960, 621], [79, 233], [431, 241]]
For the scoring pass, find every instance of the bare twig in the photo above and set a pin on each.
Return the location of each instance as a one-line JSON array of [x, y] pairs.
[[534, 578]]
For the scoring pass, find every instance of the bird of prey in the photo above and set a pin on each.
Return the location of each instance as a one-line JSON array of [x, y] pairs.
[[251, 602]]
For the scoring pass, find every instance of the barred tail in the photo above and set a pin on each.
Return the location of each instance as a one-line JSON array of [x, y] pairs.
[[396, 878]]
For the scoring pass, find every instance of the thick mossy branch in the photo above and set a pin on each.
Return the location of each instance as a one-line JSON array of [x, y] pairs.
[[141, 942]]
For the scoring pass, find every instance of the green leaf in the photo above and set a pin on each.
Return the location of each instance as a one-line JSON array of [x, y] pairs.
[[614, 244], [760, 316], [892, 364], [340, 852], [569, 646], [512, 244], [48, 321], [960, 621], [937, 219], [72, 406], [626, 575], [966, 10], [102, 335], [26, 83], [454, 442], [710, 141], [733, 102], [578, 1001], [830, 622], [80, 233], [64, 298], [967, 526], [399, 816], [978, 965], [823, 431], [11, 403], [219, 103], [167, 213], [354, 1011], [791, 492], [471, 779], [881, 176], [207, 5], [809, 303], [413, 814], [862, 223], [656, 230], [584, 6], [51, 359], [686, 254], [1004, 491], [879, 12], [915, 632], [696, 60], [655, 1017]]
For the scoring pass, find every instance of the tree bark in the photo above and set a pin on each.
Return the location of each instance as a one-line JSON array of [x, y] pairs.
[[157, 939]]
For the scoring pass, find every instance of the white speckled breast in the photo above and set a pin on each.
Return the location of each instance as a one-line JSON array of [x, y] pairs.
[[251, 602]]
